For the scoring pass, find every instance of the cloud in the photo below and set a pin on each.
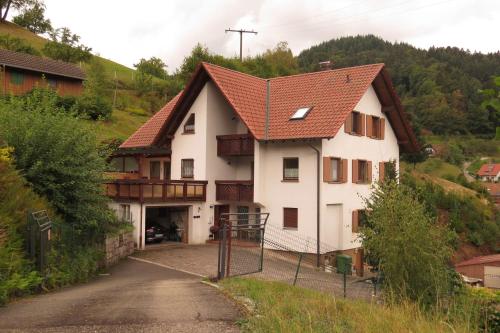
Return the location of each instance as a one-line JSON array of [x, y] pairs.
[[127, 30]]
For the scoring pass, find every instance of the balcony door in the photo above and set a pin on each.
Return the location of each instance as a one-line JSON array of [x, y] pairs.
[[166, 170], [154, 169]]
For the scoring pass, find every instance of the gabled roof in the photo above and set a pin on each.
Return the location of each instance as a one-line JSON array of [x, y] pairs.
[[265, 106], [38, 64], [480, 260], [489, 169]]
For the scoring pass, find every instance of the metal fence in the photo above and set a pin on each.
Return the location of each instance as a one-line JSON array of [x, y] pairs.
[[269, 252]]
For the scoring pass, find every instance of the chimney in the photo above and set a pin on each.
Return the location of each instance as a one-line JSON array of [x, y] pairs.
[[325, 65]]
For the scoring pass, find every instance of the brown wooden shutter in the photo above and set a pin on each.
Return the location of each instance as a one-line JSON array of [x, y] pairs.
[[348, 124], [354, 171], [344, 171], [327, 172], [363, 124], [369, 126], [355, 221], [382, 128], [369, 171], [381, 171], [290, 217]]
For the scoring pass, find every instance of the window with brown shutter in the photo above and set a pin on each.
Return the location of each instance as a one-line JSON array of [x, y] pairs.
[[357, 123], [382, 129], [358, 219], [334, 170], [290, 218], [361, 171], [369, 126], [375, 123], [381, 171], [187, 168]]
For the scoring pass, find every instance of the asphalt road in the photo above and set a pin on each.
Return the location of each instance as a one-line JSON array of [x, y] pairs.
[[134, 297]]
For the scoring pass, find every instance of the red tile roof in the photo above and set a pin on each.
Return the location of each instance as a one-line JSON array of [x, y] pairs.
[[38, 64], [489, 169], [332, 95], [146, 134], [480, 260]]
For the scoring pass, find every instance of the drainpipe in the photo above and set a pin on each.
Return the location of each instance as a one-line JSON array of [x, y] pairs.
[[268, 95], [318, 243]]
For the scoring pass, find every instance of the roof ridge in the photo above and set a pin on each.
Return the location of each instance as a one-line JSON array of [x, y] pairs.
[[232, 70], [327, 71]]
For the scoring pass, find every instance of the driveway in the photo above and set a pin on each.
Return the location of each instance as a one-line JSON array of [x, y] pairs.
[[134, 297]]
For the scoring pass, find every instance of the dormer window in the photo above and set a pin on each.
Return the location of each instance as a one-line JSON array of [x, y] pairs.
[[189, 125], [301, 113]]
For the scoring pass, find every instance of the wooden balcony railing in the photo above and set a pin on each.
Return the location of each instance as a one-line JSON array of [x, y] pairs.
[[234, 190], [148, 190], [235, 145]]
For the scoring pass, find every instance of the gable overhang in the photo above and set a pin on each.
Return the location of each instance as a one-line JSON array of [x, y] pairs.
[[393, 110], [200, 77]]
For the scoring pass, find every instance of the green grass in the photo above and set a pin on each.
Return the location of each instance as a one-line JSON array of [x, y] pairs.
[[439, 168], [284, 308], [124, 74], [121, 125]]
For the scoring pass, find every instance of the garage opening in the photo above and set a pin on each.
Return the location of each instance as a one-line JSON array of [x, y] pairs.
[[166, 224]]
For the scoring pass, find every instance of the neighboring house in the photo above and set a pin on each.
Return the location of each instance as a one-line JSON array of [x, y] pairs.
[[21, 72], [489, 172], [305, 148], [486, 268], [494, 191]]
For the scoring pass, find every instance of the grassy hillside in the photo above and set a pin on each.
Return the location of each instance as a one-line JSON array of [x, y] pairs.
[[123, 73]]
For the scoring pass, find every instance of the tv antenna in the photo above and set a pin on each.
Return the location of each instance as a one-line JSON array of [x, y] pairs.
[[241, 31]]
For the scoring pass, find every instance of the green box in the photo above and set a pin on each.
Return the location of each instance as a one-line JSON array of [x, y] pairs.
[[344, 264]]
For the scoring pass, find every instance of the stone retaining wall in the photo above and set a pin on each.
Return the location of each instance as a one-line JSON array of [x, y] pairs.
[[118, 247]]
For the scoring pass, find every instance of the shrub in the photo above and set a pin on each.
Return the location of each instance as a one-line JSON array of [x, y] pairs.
[[93, 107]]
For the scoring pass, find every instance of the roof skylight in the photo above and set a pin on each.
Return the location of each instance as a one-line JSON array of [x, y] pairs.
[[301, 113]]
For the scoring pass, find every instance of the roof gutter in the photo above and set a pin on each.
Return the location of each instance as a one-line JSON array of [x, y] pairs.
[[268, 95]]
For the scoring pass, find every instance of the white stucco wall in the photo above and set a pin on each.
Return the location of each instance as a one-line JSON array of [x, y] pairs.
[[350, 195]]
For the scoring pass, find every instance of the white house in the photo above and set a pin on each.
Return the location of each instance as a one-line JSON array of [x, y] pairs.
[[489, 172], [304, 148]]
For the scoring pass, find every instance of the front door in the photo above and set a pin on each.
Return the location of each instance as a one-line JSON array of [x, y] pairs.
[[220, 209]]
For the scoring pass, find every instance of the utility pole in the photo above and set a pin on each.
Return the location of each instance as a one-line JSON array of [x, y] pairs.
[[241, 31]]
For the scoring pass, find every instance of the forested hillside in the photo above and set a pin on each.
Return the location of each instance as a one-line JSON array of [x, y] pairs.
[[439, 87]]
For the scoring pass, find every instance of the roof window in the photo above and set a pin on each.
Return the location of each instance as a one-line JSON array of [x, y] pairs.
[[301, 113]]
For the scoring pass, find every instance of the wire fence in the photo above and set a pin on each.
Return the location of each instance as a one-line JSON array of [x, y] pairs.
[[276, 254]]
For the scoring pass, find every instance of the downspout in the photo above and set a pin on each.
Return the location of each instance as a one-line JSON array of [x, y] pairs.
[[318, 243], [268, 95]]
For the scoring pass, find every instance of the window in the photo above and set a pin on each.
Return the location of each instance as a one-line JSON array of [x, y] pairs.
[[291, 168], [166, 170], [361, 171], [189, 125], [154, 170], [243, 218], [52, 83], [125, 164], [187, 168], [290, 218], [125, 213], [375, 127], [257, 215], [334, 170], [358, 219], [301, 113], [16, 78]]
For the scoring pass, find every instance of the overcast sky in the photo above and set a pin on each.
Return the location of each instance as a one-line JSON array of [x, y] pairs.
[[127, 30]]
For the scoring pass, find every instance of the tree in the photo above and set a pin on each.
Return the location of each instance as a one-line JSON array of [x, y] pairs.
[[58, 156], [33, 19], [65, 46], [153, 66], [6, 5], [411, 250]]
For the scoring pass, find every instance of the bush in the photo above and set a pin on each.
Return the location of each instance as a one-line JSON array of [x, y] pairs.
[[93, 107]]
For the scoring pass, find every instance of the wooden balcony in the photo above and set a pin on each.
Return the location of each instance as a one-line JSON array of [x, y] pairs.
[[234, 190], [235, 145], [148, 190]]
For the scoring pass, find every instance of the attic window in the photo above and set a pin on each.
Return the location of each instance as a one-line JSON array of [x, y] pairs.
[[301, 113], [189, 125]]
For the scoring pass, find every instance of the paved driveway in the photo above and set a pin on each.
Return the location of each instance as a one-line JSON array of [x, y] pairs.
[[134, 297]]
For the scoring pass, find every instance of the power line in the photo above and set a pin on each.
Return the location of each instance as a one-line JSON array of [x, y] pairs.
[[241, 31]]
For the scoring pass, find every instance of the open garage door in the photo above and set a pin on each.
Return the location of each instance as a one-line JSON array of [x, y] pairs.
[[166, 224]]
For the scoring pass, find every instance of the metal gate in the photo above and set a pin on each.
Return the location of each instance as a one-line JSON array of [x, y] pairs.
[[241, 243], [39, 227]]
